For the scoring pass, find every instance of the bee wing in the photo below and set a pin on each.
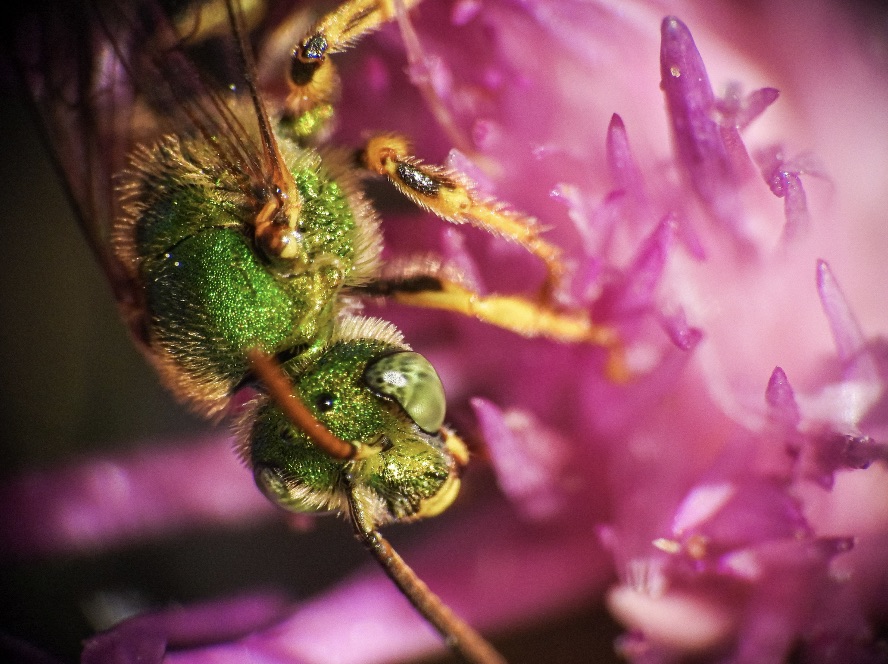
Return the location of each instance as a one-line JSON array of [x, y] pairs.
[[105, 76], [68, 72]]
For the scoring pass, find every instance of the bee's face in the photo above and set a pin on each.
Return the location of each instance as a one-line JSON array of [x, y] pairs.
[[386, 401]]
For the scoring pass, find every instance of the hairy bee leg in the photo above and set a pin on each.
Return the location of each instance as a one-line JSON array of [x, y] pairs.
[[509, 312], [517, 314], [449, 195], [314, 84], [458, 634]]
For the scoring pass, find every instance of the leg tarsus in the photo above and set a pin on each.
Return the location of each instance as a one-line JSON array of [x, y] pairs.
[[314, 83], [529, 319], [449, 195], [515, 313], [511, 312]]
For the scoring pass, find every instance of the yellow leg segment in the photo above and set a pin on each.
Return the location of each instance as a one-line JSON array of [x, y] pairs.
[[522, 316], [450, 195], [314, 84], [355, 18]]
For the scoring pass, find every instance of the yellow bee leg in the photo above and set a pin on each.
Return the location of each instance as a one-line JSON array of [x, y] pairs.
[[451, 196], [355, 18], [314, 84], [517, 314]]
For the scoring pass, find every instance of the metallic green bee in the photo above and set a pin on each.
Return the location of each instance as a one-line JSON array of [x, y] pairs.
[[241, 242]]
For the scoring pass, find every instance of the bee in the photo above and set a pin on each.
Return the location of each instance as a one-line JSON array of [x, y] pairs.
[[239, 243]]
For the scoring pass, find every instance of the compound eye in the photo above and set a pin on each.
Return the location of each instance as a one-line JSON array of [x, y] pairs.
[[412, 381], [271, 483]]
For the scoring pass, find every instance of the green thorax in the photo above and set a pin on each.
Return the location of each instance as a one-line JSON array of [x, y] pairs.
[[210, 294]]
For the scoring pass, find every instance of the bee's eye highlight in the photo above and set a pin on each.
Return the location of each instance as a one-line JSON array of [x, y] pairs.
[[410, 379], [324, 402]]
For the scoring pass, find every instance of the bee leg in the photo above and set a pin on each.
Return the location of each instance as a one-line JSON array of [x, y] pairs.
[[451, 196], [520, 315], [459, 635], [314, 83]]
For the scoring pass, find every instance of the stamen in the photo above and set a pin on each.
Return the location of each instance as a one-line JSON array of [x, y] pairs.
[[623, 167], [712, 155], [781, 399]]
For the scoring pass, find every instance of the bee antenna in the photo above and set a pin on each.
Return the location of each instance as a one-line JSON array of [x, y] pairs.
[[459, 635], [245, 55]]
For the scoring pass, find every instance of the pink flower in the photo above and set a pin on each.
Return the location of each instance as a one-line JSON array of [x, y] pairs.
[[728, 502]]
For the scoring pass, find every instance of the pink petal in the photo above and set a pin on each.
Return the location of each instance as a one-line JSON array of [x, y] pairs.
[[105, 502]]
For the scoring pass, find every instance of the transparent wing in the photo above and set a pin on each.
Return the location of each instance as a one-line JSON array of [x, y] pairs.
[[105, 76], [77, 86]]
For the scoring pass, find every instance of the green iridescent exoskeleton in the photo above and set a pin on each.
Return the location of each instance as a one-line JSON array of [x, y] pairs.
[[403, 471], [210, 291]]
